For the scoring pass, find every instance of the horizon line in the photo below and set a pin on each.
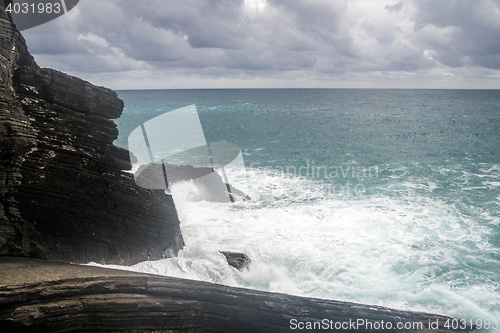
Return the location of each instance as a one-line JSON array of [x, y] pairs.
[[307, 88]]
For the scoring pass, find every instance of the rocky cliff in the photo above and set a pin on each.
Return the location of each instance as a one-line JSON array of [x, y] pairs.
[[63, 194]]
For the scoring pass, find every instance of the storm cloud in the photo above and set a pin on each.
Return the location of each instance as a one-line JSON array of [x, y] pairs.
[[275, 43]]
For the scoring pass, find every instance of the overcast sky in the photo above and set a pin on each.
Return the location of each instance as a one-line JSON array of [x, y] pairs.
[[125, 44]]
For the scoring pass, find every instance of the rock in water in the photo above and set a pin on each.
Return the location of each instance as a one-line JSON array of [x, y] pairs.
[[63, 194], [236, 259]]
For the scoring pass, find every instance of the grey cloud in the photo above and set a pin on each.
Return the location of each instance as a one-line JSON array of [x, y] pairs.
[[394, 7], [322, 38], [488, 61], [207, 24], [60, 42], [321, 16], [475, 27], [320, 21]]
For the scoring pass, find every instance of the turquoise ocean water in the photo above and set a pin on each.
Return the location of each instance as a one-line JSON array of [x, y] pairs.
[[387, 197]]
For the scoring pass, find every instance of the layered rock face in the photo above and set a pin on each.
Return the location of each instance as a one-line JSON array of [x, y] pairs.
[[63, 194]]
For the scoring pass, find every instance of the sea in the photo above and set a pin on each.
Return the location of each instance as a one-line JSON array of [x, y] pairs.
[[384, 197]]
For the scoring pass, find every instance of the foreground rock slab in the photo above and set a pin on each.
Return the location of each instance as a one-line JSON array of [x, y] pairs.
[[45, 296]]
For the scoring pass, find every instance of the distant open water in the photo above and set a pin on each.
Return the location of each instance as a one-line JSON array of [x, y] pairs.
[[387, 197]]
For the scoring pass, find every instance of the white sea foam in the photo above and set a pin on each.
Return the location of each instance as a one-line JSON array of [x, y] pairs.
[[407, 251], [492, 184], [429, 185]]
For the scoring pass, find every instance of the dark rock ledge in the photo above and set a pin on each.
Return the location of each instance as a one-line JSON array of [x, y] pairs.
[[44, 296]]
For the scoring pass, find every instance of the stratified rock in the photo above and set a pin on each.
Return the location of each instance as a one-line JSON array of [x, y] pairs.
[[42, 296], [63, 194], [236, 259]]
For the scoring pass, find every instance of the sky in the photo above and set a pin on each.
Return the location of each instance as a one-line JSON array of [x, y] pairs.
[[172, 44]]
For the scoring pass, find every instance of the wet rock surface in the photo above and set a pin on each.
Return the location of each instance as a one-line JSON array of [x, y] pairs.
[[236, 259], [44, 296]]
